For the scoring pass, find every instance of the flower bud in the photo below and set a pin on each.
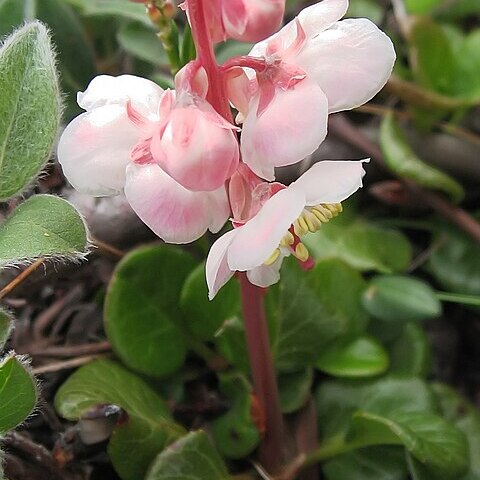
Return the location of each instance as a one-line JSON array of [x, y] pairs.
[[195, 145]]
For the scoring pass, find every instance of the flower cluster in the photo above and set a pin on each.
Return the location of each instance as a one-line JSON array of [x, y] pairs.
[[181, 164]]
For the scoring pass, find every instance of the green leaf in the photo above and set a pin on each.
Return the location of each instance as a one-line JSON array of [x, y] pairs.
[[315, 308], [43, 226], [142, 42], [6, 327], [231, 48], [360, 357], [18, 393], [466, 417], [433, 441], [411, 352], [434, 65], [75, 55], [192, 457], [230, 341], [142, 317], [338, 400], [373, 463], [205, 317], [149, 427], [396, 298], [455, 265], [402, 160], [121, 8], [362, 246], [29, 107], [294, 389], [235, 433]]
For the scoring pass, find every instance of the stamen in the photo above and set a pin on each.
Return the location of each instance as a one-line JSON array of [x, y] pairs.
[[271, 259], [287, 240], [301, 252]]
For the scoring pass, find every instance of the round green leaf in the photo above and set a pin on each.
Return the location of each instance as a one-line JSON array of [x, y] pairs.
[[192, 457], [433, 441], [18, 393], [148, 428], [29, 107], [362, 246], [378, 463], [411, 352], [43, 226], [403, 161], [203, 316], [396, 298], [315, 308], [360, 357], [456, 263], [142, 318]]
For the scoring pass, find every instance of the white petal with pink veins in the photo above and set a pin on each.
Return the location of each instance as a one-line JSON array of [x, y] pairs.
[[291, 127], [313, 20], [351, 61], [330, 181], [255, 242], [217, 271], [103, 90], [94, 150], [174, 213], [266, 275]]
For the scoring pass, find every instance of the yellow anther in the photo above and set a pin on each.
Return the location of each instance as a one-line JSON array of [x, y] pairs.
[[271, 259], [335, 208], [301, 252], [299, 229], [312, 221], [287, 240], [320, 215]]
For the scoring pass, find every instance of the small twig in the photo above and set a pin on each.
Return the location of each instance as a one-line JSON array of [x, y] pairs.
[[67, 364], [21, 278], [104, 247], [341, 127], [73, 350], [35, 451], [43, 321]]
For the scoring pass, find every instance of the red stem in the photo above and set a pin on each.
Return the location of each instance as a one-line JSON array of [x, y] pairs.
[[263, 374], [217, 95]]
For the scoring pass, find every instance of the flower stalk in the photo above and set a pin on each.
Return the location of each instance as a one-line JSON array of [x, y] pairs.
[[272, 448]]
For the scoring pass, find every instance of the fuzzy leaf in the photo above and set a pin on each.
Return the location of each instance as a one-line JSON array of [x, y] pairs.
[[18, 393], [6, 327], [43, 226], [29, 107]]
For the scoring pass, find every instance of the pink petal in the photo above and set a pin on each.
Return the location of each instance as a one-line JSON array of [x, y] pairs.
[[292, 126], [197, 148], [313, 19], [103, 90], [94, 150], [351, 61], [174, 213], [260, 236], [330, 181], [216, 269]]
